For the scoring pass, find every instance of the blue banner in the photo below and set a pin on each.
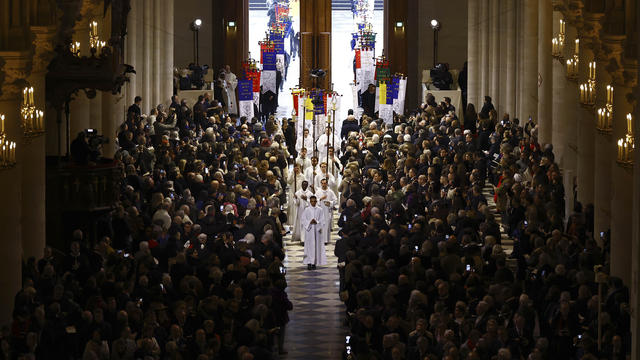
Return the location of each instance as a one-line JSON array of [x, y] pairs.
[[269, 61], [245, 90], [278, 41]]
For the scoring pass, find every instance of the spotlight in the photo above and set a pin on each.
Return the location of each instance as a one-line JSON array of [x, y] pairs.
[[195, 25], [232, 24], [435, 24]]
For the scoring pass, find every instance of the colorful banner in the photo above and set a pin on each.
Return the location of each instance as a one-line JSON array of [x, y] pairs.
[[245, 90], [269, 61], [308, 111], [383, 93]]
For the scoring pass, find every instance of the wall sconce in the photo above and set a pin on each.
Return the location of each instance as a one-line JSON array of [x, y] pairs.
[[572, 68], [557, 43], [399, 24], [626, 145], [32, 118], [7, 149], [587, 94], [75, 48], [231, 24], [604, 115]]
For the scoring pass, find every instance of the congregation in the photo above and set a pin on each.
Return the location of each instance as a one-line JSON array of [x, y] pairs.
[[192, 264]]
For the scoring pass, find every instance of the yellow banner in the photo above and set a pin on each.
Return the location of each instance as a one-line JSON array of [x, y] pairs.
[[383, 93], [308, 106]]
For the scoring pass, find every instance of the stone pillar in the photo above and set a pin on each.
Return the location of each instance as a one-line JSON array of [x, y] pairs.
[[510, 31], [621, 191], [33, 152], [604, 158], [495, 58], [529, 93], [144, 66], [545, 33], [473, 56], [131, 51], [113, 113], [167, 56], [560, 121], [484, 52], [156, 60], [14, 71]]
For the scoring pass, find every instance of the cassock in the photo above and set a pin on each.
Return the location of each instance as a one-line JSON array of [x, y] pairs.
[[322, 175], [300, 205], [230, 87], [326, 199], [322, 142], [311, 173], [314, 253], [304, 163], [308, 144], [294, 183]]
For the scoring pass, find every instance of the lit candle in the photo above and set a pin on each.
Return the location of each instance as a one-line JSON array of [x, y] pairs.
[[561, 26], [619, 149], [31, 102], [577, 46], [629, 124], [2, 123], [582, 95], [13, 152]]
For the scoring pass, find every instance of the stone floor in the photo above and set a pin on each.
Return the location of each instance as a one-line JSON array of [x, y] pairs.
[[315, 330]]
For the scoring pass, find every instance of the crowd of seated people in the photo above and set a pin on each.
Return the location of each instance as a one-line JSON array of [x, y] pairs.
[[190, 266], [424, 270]]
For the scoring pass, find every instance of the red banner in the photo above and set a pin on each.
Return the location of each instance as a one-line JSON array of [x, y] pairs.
[[358, 57], [254, 75]]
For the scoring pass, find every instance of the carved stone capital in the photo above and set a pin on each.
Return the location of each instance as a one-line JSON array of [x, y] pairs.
[[43, 47], [14, 70], [612, 50], [573, 14]]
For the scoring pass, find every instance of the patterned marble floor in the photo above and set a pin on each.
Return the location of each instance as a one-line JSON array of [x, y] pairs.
[[315, 330]]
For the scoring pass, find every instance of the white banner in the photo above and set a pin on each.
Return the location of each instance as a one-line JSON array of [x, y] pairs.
[[268, 81], [256, 98], [386, 113], [246, 109], [402, 92]]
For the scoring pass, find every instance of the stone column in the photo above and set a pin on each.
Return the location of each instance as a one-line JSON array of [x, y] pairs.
[[157, 60], [14, 71], [622, 192], [484, 52], [529, 92], [495, 58], [510, 20], [585, 135], [604, 158], [167, 46], [113, 113], [131, 51], [559, 124], [33, 152], [545, 33], [144, 66], [473, 56], [572, 108]]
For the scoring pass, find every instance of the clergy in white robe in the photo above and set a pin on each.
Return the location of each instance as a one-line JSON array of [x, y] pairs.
[[294, 183], [231, 82], [303, 160], [327, 200], [307, 143], [323, 174], [311, 172], [301, 201], [314, 228], [325, 142], [335, 169]]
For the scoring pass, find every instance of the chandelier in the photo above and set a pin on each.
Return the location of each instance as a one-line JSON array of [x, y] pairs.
[[626, 145], [32, 118], [7, 149]]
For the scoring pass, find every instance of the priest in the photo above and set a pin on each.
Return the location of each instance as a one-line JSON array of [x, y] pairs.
[[300, 202], [231, 82], [327, 200], [313, 226]]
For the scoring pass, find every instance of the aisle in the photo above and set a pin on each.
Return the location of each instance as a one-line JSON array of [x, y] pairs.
[[315, 330]]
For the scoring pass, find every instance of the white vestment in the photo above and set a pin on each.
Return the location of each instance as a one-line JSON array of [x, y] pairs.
[[327, 199], [314, 252], [309, 174], [230, 87], [292, 187], [321, 175], [308, 144], [322, 142], [300, 205], [304, 163]]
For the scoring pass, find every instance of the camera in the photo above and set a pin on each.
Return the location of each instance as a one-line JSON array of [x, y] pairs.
[[94, 140], [468, 267], [283, 270]]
